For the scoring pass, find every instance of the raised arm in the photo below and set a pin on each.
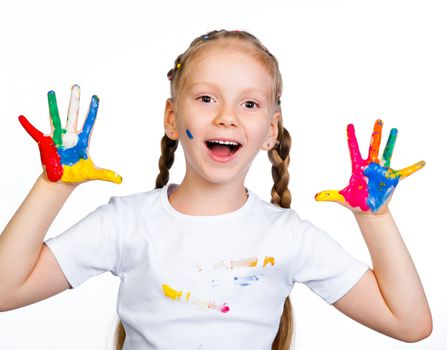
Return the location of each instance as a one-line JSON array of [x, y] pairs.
[[390, 297], [21, 247], [28, 270]]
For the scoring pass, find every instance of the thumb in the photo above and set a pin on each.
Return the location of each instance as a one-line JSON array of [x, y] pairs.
[[330, 196]]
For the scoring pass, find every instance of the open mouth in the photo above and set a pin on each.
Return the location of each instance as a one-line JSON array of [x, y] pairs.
[[221, 148]]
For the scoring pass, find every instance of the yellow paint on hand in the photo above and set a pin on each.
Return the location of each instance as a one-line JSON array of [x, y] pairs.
[[411, 169], [391, 174], [85, 170], [330, 195]]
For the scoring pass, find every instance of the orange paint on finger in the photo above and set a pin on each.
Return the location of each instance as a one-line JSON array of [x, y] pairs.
[[374, 147]]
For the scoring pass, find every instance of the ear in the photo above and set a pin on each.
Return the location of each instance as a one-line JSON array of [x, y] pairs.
[[272, 135], [169, 120]]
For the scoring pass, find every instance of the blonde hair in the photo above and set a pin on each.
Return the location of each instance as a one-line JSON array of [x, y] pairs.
[[278, 155]]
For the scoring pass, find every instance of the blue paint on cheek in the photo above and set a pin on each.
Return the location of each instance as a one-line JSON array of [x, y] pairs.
[[188, 133], [380, 185]]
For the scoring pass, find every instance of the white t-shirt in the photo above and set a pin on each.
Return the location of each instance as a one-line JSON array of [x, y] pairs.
[[202, 282]]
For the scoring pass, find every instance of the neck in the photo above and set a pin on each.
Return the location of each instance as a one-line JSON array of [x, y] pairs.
[[198, 197]]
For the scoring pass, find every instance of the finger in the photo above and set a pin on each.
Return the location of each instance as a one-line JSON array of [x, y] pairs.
[[70, 138], [356, 157], [55, 119], [389, 148], [106, 175], [403, 173], [48, 152], [330, 196], [375, 142], [31, 130], [85, 170], [90, 120]]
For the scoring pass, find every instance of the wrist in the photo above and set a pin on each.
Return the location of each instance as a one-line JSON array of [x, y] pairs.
[[59, 187], [362, 216]]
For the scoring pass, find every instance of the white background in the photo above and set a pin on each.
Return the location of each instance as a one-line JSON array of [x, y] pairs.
[[342, 62]]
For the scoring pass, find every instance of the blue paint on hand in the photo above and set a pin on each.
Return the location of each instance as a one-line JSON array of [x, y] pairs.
[[380, 185], [70, 156]]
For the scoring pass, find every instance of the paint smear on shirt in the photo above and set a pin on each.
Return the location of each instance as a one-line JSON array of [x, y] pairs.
[[174, 294]]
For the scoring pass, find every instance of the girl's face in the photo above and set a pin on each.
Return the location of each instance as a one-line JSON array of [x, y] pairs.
[[227, 96]]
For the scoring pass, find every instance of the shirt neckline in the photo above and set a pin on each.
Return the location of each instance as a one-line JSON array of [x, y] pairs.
[[168, 188]]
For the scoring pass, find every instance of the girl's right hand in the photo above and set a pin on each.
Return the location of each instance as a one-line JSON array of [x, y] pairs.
[[64, 155]]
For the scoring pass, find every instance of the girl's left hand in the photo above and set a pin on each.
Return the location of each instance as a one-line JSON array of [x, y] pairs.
[[372, 181]]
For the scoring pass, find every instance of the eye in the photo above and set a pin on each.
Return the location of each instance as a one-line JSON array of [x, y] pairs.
[[251, 104], [205, 98]]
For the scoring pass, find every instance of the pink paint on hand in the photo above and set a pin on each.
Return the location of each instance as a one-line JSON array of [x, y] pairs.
[[356, 193]]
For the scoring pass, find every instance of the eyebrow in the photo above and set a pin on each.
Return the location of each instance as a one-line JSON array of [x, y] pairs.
[[250, 89]]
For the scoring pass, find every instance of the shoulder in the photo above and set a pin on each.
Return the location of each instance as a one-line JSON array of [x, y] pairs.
[[275, 214], [129, 206], [136, 199]]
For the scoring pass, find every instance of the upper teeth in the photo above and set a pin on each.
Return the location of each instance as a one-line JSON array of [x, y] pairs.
[[224, 142]]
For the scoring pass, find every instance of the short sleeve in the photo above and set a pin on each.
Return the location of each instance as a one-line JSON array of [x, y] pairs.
[[91, 246], [323, 265]]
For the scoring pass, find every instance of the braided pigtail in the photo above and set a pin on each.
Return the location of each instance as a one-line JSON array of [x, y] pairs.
[[166, 160], [280, 159]]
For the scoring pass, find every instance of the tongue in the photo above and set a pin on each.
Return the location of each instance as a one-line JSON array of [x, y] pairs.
[[221, 150]]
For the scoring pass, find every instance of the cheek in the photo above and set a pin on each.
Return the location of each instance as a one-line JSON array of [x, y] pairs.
[[258, 132], [189, 134]]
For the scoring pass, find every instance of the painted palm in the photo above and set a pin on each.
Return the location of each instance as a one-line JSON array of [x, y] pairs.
[[373, 180], [64, 155]]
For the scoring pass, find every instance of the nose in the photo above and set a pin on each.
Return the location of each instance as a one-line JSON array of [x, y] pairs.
[[226, 116]]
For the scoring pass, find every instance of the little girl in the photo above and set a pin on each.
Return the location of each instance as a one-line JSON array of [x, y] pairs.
[[207, 264]]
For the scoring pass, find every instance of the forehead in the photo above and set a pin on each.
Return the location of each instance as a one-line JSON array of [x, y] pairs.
[[229, 64]]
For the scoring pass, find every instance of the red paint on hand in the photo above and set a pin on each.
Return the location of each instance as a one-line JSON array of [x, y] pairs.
[[48, 152]]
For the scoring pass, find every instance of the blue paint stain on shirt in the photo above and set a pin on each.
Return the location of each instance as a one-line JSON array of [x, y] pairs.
[[188, 133], [245, 280]]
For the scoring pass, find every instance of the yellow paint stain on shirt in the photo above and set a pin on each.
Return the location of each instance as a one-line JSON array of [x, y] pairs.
[[247, 262], [269, 259], [172, 293]]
